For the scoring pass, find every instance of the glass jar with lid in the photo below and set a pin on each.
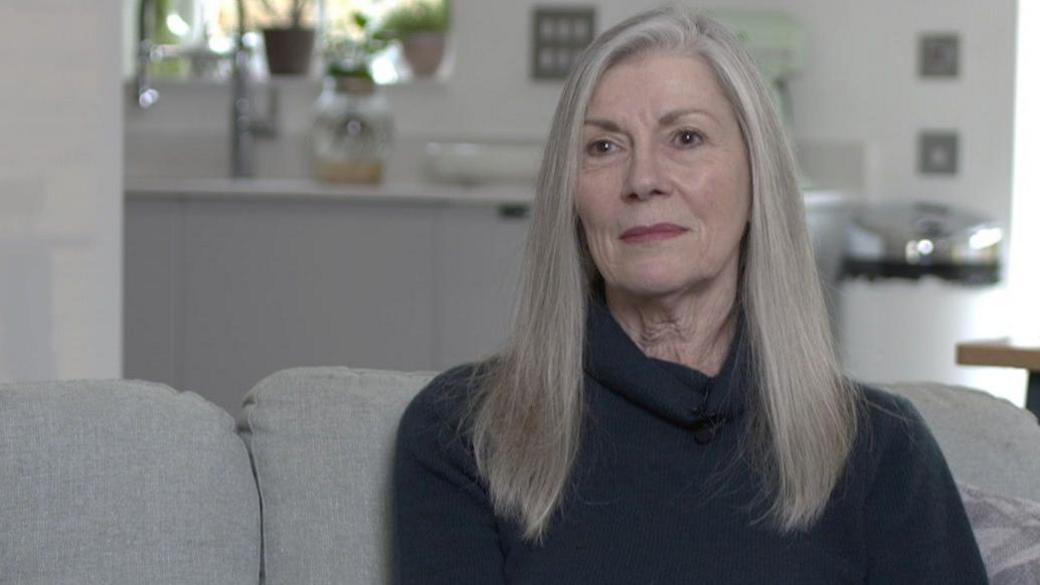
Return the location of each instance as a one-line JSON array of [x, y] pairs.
[[352, 132]]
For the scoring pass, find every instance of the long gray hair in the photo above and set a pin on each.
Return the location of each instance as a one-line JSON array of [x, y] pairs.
[[526, 415]]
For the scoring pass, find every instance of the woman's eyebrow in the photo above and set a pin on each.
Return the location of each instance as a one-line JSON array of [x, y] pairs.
[[674, 115], [665, 120], [607, 125]]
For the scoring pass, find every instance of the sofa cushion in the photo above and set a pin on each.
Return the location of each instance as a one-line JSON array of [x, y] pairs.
[[123, 482], [322, 445], [988, 442]]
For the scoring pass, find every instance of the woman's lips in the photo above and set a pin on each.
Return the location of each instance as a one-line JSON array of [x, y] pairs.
[[650, 233]]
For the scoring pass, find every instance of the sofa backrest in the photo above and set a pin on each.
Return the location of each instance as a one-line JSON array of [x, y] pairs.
[[322, 444], [129, 482], [123, 483]]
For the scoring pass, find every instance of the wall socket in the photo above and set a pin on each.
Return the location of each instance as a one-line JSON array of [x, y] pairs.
[[558, 35], [937, 152], [939, 55]]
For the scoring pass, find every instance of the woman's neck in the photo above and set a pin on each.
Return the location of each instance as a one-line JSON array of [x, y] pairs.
[[694, 329]]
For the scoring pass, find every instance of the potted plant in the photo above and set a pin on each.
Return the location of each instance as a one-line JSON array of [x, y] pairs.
[[287, 41], [421, 27], [353, 123], [350, 57]]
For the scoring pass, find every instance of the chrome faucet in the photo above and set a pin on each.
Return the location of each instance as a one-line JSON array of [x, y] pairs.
[[245, 127]]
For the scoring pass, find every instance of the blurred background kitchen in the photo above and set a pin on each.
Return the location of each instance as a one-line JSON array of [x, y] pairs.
[[200, 197]]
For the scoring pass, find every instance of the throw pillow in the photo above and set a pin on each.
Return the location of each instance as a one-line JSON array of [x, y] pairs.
[[1008, 533]]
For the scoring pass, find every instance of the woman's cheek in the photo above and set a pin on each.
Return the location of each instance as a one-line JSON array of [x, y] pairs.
[[602, 252], [598, 242]]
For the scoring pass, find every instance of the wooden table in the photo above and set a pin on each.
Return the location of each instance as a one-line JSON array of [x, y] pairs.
[[1008, 353]]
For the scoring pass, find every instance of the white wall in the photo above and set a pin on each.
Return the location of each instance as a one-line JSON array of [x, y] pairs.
[[60, 190]]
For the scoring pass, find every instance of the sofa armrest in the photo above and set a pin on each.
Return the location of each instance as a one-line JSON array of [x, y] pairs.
[[987, 441]]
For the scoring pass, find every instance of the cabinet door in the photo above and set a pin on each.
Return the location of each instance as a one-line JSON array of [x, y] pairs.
[[479, 255], [152, 286], [277, 284]]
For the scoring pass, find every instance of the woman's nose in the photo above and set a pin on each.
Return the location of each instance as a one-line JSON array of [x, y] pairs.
[[644, 176]]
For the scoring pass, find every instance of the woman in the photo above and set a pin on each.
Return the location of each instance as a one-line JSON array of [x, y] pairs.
[[669, 408]]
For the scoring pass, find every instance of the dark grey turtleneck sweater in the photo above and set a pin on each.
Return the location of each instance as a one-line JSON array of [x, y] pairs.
[[659, 495]]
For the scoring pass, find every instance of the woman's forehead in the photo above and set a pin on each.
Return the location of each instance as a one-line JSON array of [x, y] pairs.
[[658, 85]]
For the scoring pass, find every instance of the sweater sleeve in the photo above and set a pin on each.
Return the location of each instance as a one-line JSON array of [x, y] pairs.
[[444, 530], [917, 531]]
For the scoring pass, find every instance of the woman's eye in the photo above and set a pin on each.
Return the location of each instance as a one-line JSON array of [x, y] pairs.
[[689, 137], [598, 147]]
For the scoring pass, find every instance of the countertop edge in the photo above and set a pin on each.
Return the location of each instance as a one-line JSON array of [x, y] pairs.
[[309, 189]]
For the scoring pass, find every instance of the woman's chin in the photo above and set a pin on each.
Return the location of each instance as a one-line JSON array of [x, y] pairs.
[[649, 287]]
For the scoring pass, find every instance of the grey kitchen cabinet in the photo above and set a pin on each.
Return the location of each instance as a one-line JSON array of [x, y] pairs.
[[478, 272], [220, 292], [152, 290]]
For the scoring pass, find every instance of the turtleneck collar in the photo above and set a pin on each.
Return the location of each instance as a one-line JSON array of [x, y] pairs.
[[672, 391]]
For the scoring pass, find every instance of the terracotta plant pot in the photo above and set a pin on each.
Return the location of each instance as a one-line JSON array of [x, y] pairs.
[[424, 52], [289, 50]]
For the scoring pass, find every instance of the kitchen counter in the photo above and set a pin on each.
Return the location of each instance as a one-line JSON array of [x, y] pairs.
[[227, 280]]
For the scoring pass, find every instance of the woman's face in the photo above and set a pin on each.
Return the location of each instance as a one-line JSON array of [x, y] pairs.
[[664, 189]]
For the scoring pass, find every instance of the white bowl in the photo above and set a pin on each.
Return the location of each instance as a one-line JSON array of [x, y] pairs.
[[472, 162]]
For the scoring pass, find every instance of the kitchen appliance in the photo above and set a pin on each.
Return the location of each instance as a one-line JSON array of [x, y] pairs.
[[915, 239], [918, 278], [776, 42]]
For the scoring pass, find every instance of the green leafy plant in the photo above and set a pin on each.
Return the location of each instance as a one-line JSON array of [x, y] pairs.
[[350, 56], [421, 16], [293, 16]]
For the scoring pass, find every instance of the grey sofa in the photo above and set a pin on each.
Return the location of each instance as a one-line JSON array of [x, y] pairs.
[[129, 482]]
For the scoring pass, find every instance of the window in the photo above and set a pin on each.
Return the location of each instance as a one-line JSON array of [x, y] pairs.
[[206, 29]]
